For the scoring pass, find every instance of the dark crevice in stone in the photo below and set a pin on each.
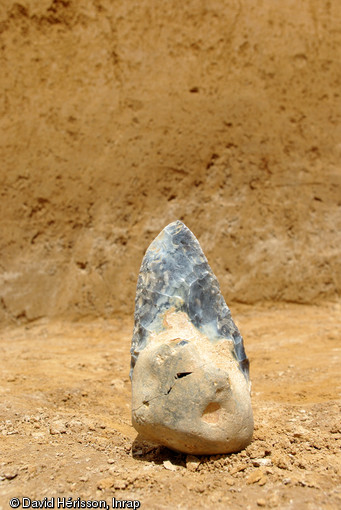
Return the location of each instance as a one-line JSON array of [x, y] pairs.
[[179, 375], [182, 374]]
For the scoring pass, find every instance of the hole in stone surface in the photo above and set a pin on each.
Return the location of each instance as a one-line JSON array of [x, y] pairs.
[[179, 375], [146, 403], [212, 413], [182, 343]]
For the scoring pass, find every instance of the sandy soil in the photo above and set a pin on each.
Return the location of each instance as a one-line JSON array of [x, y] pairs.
[[66, 430]]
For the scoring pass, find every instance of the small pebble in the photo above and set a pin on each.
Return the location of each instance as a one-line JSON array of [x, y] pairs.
[[57, 427], [105, 483], [240, 467], [120, 484], [255, 476], [9, 475], [168, 465], [262, 462]]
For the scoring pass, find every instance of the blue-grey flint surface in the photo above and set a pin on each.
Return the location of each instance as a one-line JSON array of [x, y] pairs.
[[175, 273]]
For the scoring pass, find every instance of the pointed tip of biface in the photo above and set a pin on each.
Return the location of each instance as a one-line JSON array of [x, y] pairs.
[[176, 227], [174, 224]]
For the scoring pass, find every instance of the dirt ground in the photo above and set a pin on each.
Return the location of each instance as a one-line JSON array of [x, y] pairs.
[[116, 118], [66, 427]]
